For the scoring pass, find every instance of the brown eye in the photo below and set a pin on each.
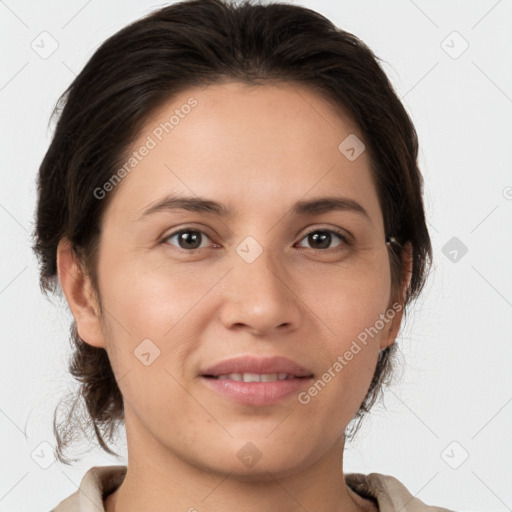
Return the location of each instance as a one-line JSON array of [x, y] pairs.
[[322, 239], [187, 239]]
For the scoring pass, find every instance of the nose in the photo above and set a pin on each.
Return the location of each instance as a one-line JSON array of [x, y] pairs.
[[260, 297]]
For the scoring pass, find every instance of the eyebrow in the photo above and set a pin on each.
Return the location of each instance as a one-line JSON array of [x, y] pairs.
[[200, 205]]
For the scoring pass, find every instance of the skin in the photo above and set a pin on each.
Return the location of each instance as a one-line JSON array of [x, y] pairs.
[[257, 150]]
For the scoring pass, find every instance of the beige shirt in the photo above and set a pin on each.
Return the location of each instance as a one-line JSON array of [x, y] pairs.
[[387, 491]]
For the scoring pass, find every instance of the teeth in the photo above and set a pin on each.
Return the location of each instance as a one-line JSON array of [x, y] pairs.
[[255, 377], [251, 377]]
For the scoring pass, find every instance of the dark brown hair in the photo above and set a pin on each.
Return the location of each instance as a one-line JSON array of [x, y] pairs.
[[197, 43]]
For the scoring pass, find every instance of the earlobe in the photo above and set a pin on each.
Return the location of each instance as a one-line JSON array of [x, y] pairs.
[[77, 288], [396, 309]]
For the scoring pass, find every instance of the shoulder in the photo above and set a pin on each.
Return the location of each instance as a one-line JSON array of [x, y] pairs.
[[390, 494], [96, 483]]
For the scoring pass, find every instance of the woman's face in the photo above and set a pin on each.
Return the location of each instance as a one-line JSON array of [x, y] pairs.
[[276, 274]]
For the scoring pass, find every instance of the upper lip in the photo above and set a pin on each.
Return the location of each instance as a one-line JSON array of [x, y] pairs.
[[251, 364]]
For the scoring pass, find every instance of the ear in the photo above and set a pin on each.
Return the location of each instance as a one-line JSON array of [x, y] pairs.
[[79, 292], [396, 309]]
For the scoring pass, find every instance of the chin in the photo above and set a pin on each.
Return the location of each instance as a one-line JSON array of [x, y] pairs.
[[249, 463], [261, 472]]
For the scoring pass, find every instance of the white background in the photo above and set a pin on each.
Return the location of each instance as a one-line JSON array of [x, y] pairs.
[[456, 382]]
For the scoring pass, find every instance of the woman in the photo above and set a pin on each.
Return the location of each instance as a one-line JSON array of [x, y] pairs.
[[232, 207]]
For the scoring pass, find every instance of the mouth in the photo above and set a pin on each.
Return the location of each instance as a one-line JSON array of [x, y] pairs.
[[254, 377], [250, 368], [257, 381]]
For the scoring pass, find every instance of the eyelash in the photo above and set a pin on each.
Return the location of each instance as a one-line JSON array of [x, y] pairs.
[[339, 234]]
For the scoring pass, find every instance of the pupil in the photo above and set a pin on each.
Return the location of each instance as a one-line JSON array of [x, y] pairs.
[[321, 238], [191, 239]]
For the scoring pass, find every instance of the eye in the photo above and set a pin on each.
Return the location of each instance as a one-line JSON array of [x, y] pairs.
[[188, 239], [322, 238]]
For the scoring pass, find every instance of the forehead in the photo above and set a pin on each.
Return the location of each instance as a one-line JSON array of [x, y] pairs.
[[256, 113], [255, 144]]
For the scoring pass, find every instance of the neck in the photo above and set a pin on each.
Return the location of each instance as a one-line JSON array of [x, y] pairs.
[[160, 481]]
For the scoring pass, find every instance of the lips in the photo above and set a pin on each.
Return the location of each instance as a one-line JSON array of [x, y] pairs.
[[249, 367], [255, 377], [256, 381]]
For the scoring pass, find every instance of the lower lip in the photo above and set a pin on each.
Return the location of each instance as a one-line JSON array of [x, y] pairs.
[[257, 393]]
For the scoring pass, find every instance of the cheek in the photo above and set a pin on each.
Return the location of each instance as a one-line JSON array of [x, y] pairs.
[[351, 307], [355, 316], [150, 298], [351, 300], [149, 331], [143, 302]]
